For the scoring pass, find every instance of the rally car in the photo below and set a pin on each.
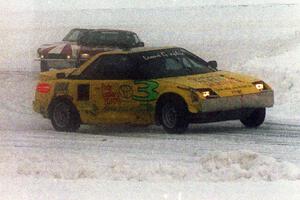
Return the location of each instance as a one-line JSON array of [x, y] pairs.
[[167, 86], [81, 44]]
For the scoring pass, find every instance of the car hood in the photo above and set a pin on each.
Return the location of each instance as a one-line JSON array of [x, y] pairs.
[[223, 83], [64, 47]]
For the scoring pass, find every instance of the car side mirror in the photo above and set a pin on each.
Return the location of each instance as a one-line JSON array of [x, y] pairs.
[[60, 75], [213, 64]]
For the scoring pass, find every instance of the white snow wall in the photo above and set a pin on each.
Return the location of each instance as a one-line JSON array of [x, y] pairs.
[[229, 34]]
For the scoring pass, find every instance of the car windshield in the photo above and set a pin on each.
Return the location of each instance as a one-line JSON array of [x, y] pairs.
[[111, 38], [169, 63], [74, 35]]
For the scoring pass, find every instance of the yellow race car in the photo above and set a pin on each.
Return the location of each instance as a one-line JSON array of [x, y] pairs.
[[167, 86]]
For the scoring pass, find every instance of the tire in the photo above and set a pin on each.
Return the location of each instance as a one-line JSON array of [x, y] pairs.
[[255, 118], [44, 66], [173, 116], [64, 116]]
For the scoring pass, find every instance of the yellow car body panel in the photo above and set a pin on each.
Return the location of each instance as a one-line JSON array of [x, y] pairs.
[[134, 101]]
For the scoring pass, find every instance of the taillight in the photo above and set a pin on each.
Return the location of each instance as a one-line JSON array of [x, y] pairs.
[[43, 88]]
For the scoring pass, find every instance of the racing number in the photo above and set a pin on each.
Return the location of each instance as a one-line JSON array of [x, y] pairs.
[[148, 88]]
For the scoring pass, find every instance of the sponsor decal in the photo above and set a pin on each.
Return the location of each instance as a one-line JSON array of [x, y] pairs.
[[235, 88], [110, 97], [146, 93], [217, 81], [163, 54], [126, 92], [147, 90]]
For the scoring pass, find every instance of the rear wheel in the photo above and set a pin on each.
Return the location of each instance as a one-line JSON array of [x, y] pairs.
[[65, 117], [173, 116], [255, 118], [44, 66]]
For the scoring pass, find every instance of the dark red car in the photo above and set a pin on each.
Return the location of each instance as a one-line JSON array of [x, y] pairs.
[[81, 44]]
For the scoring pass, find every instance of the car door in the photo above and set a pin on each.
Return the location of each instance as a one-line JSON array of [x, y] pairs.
[[112, 90]]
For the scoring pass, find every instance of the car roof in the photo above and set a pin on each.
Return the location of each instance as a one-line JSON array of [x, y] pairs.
[[137, 50], [120, 51], [102, 30]]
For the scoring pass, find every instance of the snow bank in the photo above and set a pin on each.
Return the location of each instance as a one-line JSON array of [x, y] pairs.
[[236, 165], [213, 167], [17, 94], [282, 72]]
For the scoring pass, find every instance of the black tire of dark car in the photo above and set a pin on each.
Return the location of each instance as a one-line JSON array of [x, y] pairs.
[[174, 116], [44, 66], [64, 116], [255, 118]]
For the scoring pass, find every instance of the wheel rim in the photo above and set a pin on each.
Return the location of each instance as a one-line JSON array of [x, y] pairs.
[[61, 115], [169, 116]]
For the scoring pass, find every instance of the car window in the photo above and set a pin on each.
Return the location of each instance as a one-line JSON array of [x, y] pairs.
[[152, 68], [169, 63], [109, 38], [110, 67], [74, 36], [136, 38], [173, 64], [187, 63], [102, 38]]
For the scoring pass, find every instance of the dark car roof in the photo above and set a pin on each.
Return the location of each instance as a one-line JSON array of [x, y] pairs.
[[137, 50], [103, 30]]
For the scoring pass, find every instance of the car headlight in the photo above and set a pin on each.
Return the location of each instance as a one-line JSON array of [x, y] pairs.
[[205, 94], [85, 55], [259, 86], [208, 93]]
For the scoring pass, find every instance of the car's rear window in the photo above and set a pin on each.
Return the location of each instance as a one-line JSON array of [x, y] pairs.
[[110, 38]]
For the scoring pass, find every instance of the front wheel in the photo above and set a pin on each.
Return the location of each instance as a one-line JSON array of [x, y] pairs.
[[255, 118], [65, 117], [173, 117]]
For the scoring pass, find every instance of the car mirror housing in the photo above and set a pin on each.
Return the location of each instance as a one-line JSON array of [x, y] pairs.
[[213, 64]]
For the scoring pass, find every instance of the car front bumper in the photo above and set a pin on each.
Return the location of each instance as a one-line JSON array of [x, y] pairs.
[[258, 100]]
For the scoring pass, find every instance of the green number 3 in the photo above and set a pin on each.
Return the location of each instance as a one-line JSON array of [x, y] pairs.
[[149, 90]]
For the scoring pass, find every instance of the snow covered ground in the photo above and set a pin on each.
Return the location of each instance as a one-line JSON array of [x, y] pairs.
[[212, 161]]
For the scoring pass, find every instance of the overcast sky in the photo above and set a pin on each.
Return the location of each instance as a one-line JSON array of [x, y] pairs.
[[90, 4]]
